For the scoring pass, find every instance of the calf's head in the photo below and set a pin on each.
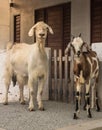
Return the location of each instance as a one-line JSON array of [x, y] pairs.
[[77, 45], [40, 29]]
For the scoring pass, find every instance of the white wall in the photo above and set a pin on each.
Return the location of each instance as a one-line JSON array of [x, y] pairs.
[[80, 19], [26, 9], [4, 23], [80, 16]]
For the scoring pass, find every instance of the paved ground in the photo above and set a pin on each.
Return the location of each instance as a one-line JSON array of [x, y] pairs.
[[57, 115], [91, 125]]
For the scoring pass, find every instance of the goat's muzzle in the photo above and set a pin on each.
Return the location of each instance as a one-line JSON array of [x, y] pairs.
[[41, 35], [78, 53]]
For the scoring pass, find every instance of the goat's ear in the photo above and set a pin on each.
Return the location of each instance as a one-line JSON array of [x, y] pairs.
[[50, 29], [88, 48], [67, 48], [80, 35], [31, 31]]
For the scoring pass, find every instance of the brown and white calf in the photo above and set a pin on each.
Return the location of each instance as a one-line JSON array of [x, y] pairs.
[[86, 68]]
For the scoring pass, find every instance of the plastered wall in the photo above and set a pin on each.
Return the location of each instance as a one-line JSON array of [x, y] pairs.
[[80, 18], [4, 23]]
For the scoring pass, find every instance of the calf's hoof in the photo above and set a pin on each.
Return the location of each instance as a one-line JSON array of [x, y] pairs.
[[89, 116], [75, 116], [5, 103], [98, 109]]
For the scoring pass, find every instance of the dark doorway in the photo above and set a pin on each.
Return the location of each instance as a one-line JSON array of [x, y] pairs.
[[59, 18], [96, 21], [17, 20]]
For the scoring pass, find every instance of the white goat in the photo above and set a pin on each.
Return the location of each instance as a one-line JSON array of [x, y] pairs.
[[29, 63]]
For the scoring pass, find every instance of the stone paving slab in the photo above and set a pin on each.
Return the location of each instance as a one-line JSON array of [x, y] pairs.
[[92, 125]]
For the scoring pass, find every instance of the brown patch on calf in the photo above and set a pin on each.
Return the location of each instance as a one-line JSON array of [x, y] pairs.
[[86, 67], [93, 54], [77, 68], [94, 65]]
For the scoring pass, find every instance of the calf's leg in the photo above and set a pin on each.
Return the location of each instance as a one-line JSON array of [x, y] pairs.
[[87, 98], [78, 98]]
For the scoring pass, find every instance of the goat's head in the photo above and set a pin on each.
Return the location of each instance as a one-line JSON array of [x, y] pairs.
[[77, 45], [41, 30]]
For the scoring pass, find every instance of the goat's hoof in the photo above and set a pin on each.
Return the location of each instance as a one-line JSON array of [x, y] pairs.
[[5, 103], [22, 102], [41, 108], [75, 116], [31, 109]]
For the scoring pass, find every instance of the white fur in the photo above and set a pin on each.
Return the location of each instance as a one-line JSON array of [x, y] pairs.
[[29, 63]]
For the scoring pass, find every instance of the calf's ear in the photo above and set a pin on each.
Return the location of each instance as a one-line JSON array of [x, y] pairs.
[[87, 46], [72, 36], [67, 48], [80, 35]]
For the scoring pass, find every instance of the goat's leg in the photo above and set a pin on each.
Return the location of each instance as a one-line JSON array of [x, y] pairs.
[[39, 93], [87, 98], [31, 92], [78, 99], [21, 83], [7, 85], [6, 95], [21, 99]]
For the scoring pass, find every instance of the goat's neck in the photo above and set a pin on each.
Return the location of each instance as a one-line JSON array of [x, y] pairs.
[[41, 45], [40, 40]]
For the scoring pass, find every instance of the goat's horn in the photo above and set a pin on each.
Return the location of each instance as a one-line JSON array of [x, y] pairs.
[[80, 35], [72, 36]]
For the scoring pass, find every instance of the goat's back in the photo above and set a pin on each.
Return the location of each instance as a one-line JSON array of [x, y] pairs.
[[24, 57]]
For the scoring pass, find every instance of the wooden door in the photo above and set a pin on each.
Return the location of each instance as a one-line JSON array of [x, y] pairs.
[[59, 18], [96, 21], [17, 20]]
